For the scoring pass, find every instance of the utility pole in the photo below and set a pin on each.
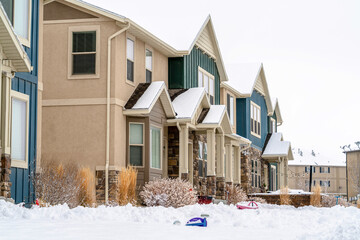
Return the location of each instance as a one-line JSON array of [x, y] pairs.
[[310, 183]]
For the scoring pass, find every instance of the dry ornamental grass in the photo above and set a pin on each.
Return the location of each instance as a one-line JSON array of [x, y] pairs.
[[315, 198], [127, 186], [284, 196]]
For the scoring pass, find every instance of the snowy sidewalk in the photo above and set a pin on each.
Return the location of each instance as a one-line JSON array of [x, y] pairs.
[[225, 222]]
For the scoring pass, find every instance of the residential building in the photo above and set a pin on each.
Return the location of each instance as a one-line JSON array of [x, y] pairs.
[[264, 164], [328, 173], [18, 98], [353, 174]]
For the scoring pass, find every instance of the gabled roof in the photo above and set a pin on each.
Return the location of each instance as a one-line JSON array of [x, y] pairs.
[[144, 98], [277, 147], [306, 157], [186, 103], [244, 78], [216, 117], [276, 109], [11, 45]]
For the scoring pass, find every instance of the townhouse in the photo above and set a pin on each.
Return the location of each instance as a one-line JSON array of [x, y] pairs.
[[328, 173], [256, 117], [19, 21], [353, 175]]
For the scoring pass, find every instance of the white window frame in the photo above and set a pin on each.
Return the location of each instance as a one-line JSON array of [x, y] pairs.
[[132, 38], [73, 29], [142, 145], [148, 48], [24, 41], [161, 145], [18, 163], [255, 110], [207, 86]]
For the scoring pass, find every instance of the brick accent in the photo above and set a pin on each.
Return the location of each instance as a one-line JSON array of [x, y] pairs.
[[211, 186], [246, 157], [5, 171], [245, 172], [220, 188], [173, 152], [113, 186]]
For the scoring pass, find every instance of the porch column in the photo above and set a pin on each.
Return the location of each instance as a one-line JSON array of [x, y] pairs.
[[211, 174], [183, 152], [229, 165], [220, 167], [237, 178], [286, 171]]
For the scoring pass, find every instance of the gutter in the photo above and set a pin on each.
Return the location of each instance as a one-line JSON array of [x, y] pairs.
[[107, 159]]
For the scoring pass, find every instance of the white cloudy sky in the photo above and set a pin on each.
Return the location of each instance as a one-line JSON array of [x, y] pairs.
[[310, 51]]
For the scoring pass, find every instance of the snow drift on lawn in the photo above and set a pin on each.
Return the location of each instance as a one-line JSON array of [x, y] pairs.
[[225, 222]]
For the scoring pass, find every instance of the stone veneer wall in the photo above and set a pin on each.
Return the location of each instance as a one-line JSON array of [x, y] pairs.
[[246, 157], [200, 183], [5, 171], [113, 186], [173, 152]]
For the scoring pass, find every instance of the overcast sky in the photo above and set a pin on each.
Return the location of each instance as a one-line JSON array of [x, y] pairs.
[[310, 51]]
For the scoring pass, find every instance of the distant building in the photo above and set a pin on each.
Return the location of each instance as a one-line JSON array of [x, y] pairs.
[[353, 174], [328, 173]]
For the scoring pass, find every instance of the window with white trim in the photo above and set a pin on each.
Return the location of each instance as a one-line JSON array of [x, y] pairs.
[[136, 144], [202, 159], [19, 14], [255, 119], [255, 173], [155, 150], [148, 65], [130, 53], [19, 129], [207, 81]]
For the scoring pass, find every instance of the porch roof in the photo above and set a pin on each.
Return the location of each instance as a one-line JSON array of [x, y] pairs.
[[216, 117], [277, 147]]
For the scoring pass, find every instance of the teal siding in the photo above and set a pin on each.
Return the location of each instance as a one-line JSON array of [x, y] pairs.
[[22, 189], [243, 119], [183, 72]]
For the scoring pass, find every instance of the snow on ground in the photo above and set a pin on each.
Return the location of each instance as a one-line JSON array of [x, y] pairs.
[[225, 222]]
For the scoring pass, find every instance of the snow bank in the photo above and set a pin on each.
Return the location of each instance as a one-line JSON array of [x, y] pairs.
[[225, 222]]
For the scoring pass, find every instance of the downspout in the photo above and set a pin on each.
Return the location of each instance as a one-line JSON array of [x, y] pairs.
[[107, 159]]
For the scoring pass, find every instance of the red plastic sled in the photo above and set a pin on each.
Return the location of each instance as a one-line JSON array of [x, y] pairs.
[[242, 207]]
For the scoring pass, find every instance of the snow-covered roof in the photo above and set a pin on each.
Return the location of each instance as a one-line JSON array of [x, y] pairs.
[[311, 157], [276, 109], [276, 147], [185, 104], [215, 114], [145, 96], [242, 76], [242, 139]]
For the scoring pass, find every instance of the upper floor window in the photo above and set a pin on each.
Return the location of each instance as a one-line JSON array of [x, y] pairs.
[[83, 52], [230, 108], [207, 81], [273, 125], [19, 14], [255, 119], [148, 65], [324, 169], [130, 59]]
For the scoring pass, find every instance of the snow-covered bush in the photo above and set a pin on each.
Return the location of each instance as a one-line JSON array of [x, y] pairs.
[[259, 200], [168, 193], [127, 186], [236, 194], [330, 201]]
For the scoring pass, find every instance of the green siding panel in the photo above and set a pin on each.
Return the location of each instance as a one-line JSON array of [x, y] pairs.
[[183, 72]]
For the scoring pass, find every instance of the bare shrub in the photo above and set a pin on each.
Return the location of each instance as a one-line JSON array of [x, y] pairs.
[[127, 186], [168, 193], [259, 200], [330, 201], [87, 187], [58, 184], [358, 203], [315, 198], [236, 194], [284, 196]]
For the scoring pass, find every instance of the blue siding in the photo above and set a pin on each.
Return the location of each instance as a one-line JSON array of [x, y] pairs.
[[22, 189], [243, 119]]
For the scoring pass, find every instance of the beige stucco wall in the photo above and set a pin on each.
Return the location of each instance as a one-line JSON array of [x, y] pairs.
[[337, 178], [73, 124], [353, 168]]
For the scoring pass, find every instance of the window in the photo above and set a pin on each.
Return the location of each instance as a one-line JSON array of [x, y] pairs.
[[324, 183], [84, 53], [19, 14], [148, 65], [307, 169], [206, 80], [252, 173], [83, 47], [202, 159], [136, 144], [230, 108], [324, 169], [255, 173], [273, 125], [155, 161], [130, 59], [255, 120], [19, 129]]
